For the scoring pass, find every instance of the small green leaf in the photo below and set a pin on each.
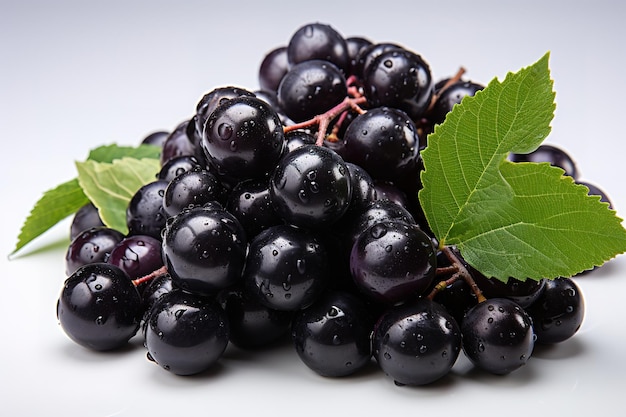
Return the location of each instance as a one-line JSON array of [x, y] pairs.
[[64, 200], [110, 186], [512, 220], [109, 153], [55, 205]]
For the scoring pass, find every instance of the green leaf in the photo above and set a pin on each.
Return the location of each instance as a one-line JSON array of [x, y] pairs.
[[110, 186], [55, 205], [64, 200], [521, 220], [109, 153]]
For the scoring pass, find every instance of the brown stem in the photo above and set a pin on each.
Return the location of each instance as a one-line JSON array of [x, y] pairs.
[[441, 285], [323, 120], [146, 278], [463, 273], [454, 79]]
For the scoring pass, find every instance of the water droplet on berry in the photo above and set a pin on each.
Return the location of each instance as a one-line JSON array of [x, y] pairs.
[[301, 266], [378, 230], [303, 196], [224, 131]]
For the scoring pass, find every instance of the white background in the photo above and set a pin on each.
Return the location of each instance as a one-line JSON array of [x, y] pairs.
[[78, 74]]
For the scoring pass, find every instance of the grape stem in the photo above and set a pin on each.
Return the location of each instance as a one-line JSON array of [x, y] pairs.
[[146, 278], [459, 271], [455, 78], [323, 120]]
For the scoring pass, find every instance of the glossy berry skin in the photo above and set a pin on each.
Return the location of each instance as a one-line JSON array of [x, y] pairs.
[[90, 246], [551, 154], [332, 336], [451, 96], [374, 212], [243, 138], [176, 166], [251, 204], [559, 311], [384, 142], [363, 190], [416, 343], [356, 44], [204, 249], [153, 290], [311, 88], [252, 324], [272, 69], [367, 55], [85, 218], [192, 188], [186, 333], [393, 261], [178, 143], [99, 307], [311, 187], [286, 268], [318, 41], [145, 214], [400, 79], [137, 255], [156, 138], [209, 102], [498, 336], [297, 138]]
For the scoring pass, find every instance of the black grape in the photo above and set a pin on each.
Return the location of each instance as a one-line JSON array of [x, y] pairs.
[[318, 41], [177, 165], [204, 249], [286, 268], [186, 333], [99, 307], [451, 96], [332, 336], [85, 218], [192, 188], [384, 142], [416, 343], [90, 246], [251, 204], [393, 261], [145, 214], [551, 154], [400, 79], [498, 336], [272, 69], [243, 138], [559, 311], [137, 255], [311, 187], [311, 88]]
